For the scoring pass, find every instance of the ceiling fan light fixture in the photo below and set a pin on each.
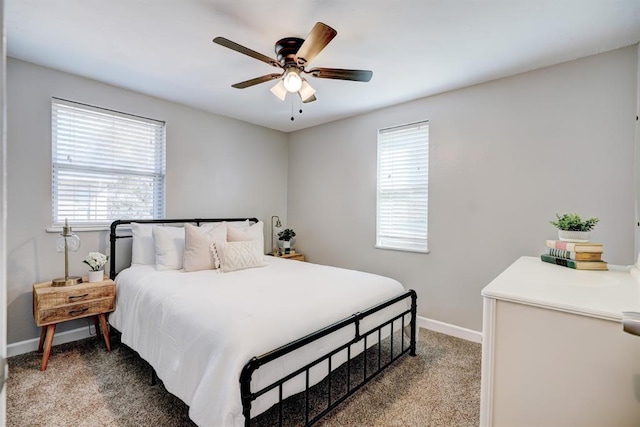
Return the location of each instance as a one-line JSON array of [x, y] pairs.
[[306, 91], [292, 80], [279, 90], [294, 54]]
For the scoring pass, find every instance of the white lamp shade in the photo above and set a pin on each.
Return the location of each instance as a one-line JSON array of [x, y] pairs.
[[279, 90], [306, 91]]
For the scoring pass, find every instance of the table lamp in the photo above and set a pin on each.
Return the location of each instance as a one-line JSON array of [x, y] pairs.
[[67, 241], [278, 224]]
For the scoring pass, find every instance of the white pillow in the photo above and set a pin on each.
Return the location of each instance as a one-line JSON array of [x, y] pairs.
[[169, 247], [242, 225], [197, 240], [239, 255], [142, 247], [254, 232]]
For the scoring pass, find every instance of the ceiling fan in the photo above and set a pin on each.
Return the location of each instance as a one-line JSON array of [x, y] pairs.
[[294, 54]]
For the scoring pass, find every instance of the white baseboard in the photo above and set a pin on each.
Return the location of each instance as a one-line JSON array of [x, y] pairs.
[[27, 346], [448, 329]]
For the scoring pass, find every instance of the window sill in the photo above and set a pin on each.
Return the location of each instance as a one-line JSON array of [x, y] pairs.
[[392, 248], [79, 228]]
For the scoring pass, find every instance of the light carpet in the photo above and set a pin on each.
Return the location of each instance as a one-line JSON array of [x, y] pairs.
[[86, 386]]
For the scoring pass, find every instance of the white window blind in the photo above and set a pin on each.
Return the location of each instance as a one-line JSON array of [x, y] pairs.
[[106, 165], [403, 183]]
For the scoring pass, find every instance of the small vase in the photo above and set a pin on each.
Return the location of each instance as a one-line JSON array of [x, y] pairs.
[[96, 276], [574, 236]]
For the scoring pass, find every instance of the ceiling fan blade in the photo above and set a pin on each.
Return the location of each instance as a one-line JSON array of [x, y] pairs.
[[257, 80], [319, 37], [341, 74], [246, 51]]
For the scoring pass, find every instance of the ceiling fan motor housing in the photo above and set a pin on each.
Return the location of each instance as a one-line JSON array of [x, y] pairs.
[[286, 50]]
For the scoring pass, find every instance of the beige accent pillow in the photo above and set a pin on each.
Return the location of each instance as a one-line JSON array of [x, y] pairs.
[[254, 232], [239, 255], [197, 240], [169, 247]]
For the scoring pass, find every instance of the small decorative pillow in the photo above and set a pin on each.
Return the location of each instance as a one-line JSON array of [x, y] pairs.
[[239, 255], [169, 247], [254, 232], [197, 241], [142, 246]]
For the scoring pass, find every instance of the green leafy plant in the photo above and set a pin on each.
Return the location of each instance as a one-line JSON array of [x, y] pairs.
[[573, 222], [287, 234]]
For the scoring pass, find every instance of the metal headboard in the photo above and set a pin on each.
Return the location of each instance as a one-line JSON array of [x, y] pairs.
[[113, 237]]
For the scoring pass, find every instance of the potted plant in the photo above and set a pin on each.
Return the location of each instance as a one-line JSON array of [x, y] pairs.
[[286, 238], [96, 261], [572, 228]]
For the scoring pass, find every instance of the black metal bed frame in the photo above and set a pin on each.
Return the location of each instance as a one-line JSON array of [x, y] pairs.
[[247, 396]]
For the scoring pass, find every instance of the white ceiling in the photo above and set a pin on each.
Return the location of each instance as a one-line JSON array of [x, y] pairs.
[[415, 48]]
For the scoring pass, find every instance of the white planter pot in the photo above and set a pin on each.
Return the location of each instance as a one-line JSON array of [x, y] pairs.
[[96, 276], [574, 236], [284, 244]]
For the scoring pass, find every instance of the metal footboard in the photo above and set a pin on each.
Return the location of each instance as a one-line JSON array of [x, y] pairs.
[[248, 396]]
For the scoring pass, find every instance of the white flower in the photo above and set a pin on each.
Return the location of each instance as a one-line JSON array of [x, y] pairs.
[[96, 260]]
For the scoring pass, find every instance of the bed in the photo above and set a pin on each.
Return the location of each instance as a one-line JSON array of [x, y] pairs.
[[232, 345]]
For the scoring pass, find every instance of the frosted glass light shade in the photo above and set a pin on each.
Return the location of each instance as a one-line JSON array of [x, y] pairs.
[[279, 90], [306, 91], [292, 80]]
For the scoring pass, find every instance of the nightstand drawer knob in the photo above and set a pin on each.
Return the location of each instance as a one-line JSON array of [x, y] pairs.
[[74, 312], [78, 296]]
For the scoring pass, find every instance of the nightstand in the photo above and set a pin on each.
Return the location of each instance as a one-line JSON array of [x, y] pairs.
[[52, 305], [296, 256]]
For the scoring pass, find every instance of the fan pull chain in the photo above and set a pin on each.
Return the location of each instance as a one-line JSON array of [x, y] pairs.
[[299, 108]]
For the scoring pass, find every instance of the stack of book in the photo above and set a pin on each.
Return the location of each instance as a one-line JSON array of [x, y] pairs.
[[580, 256]]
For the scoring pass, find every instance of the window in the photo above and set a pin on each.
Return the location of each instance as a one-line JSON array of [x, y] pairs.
[[403, 183], [106, 165]]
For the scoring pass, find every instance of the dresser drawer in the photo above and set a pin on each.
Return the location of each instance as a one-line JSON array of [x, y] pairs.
[[74, 311]]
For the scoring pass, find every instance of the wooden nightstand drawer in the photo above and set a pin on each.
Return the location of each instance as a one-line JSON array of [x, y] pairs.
[[51, 297], [74, 311]]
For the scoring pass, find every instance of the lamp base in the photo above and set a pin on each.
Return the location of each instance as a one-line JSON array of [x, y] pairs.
[[71, 280]]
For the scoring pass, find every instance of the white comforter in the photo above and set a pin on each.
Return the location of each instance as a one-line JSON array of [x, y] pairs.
[[198, 329]]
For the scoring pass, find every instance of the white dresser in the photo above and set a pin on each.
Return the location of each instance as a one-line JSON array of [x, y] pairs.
[[554, 352]]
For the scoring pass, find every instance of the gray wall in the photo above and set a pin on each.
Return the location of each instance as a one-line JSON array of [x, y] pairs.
[[505, 156], [216, 167]]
